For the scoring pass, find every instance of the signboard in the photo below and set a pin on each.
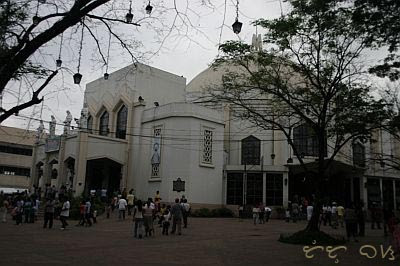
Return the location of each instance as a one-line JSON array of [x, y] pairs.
[[52, 144], [178, 185]]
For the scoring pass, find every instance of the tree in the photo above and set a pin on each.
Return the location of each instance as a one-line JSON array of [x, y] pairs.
[[311, 74], [28, 27], [379, 21]]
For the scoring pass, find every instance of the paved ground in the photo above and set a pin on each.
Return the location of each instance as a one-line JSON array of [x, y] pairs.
[[205, 242]]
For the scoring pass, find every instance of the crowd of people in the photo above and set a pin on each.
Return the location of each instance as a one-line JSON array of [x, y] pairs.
[[147, 213], [56, 205], [352, 217]]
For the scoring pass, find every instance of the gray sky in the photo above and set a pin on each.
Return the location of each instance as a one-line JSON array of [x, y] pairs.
[[179, 55]]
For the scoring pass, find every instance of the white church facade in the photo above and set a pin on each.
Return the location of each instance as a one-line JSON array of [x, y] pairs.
[[141, 129]]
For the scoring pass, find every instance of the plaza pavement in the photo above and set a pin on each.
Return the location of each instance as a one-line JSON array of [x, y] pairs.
[[207, 241]]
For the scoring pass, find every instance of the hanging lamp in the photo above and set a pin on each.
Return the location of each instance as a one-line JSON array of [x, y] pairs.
[[106, 75], [149, 8], [59, 61], [237, 25], [129, 15], [78, 76], [36, 18]]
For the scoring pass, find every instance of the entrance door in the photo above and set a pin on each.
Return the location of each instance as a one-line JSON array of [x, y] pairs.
[[234, 189], [103, 173], [254, 188], [388, 197]]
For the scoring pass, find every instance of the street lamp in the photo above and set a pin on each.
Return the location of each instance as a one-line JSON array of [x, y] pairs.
[[35, 20], [149, 8], [129, 15], [58, 62], [237, 26], [77, 78]]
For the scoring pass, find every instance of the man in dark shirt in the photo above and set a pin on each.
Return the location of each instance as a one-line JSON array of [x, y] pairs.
[[49, 213], [176, 212]]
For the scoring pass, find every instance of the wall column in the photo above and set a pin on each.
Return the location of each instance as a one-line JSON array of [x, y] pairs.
[[34, 172], [264, 187], [80, 163], [62, 173], [285, 189]]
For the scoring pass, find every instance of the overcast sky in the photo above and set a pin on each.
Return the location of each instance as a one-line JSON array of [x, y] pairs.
[[182, 56]]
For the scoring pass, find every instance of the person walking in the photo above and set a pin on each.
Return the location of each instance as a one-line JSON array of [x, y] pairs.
[[268, 212], [185, 212], [122, 204], [360, 219], [176, 212], [149, 209], [310, 209], [131, 201], [82, 214], [334, 217], [5, 206], [49, 213], [256, 213], [64, 214], [350, 217], [88, 209], [295, 211], [166, 222], [138, 219], [157, 201], [340, 214]]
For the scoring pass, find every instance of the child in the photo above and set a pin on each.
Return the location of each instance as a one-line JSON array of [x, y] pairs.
[[94, 216], [165, 222], [287, 215], [256, 212], [108, 210], [82, 214]]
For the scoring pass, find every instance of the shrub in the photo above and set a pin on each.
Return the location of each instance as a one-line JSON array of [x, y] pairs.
[[220, 212]]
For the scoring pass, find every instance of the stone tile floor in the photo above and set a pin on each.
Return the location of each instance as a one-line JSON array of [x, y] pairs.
[[207, 241]]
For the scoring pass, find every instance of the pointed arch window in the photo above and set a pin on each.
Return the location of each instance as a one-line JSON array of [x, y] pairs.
[[90, 124], [122, 118], [251, 150], [358, 154], [306, 141], [103, 130]]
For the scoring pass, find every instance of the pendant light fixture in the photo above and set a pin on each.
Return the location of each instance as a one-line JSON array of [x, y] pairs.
[[237, 25], [36, 18], [149, 8], [78, 76], [129, 15], [106, 75], [59, 61]]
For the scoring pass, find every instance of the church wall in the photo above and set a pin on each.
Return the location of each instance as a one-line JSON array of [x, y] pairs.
[[71, 146], [180, 154], [152, 84], [103, 147]]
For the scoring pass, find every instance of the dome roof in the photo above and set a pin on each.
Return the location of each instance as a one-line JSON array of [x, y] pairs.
[[208, 78]]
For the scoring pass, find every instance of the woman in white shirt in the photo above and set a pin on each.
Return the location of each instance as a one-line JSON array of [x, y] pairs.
[[138, 219]]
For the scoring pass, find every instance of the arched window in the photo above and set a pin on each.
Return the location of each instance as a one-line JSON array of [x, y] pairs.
[[90, 124], [358, 154], [103, 130], [251, 150], [122, 118], [306, 142]]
